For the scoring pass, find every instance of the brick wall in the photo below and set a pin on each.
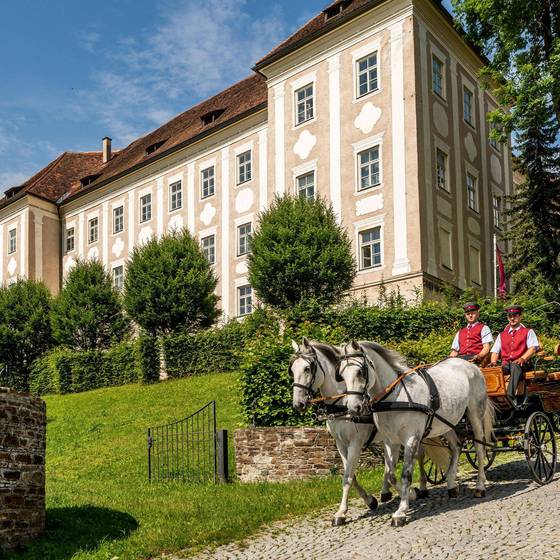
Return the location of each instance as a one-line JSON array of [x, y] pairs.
[[286, 453], [22, 468]]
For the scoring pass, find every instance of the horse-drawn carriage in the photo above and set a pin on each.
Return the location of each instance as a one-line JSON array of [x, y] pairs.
[[530, 429]]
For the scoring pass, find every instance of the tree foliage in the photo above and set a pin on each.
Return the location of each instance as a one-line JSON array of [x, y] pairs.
[[300, 253], [169, 286], [88, 313], [25, 331], [521, 38]]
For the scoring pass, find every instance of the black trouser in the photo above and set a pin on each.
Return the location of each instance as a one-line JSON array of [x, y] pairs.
[[467, 356], [517, 374]]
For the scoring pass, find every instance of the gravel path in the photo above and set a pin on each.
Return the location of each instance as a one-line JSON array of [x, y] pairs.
[[518, 520]]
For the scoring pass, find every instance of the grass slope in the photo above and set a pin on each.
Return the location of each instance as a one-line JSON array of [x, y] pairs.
[[99, 503]]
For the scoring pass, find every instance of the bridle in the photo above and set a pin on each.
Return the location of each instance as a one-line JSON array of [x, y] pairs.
[[312, 361], [364, 370]]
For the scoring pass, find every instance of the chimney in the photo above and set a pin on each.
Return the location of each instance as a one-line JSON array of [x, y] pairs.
[[106, 149]]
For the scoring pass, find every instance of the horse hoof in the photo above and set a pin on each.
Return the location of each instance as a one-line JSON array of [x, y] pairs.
[[422, 494], [398, 521], [338, 521], [373, 503], [386, 497], [453, 492], [480, 493]]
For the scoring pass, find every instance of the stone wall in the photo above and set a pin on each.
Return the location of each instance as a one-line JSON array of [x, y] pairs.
[[286, 453], [22, 468]]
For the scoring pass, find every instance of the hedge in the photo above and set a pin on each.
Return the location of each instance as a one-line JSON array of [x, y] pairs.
[[69, 371]]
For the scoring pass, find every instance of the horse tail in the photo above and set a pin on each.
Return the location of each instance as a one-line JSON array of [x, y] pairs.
[[438, 452], [489, 421]]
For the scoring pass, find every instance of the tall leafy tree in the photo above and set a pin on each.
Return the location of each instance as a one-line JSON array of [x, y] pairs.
[[25, 330], [88, 312], [299, 253], [169, 286], [521, 39]]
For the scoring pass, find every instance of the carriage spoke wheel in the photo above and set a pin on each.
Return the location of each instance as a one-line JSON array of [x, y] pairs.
[[540, 447], [434, 474], [470, 453]]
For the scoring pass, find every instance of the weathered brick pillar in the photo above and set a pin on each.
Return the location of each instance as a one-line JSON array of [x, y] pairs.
[[22, 467]]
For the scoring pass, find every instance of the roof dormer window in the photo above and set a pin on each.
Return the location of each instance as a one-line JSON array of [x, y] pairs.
[[89, 179], [211, 116], [155, 146], [336, 8]]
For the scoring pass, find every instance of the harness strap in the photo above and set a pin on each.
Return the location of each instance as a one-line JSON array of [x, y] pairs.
[[385, 392]]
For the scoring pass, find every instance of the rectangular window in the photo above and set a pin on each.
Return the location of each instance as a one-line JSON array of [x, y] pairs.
[[175, 196], [118, 277], [209, 248], [306, 185], [441, 169], [468, 106], [69, 239], [244, 300], [244, 239], [118, 219], [474, 258], [437, 75], [12, 241], [367, 74], [244, 170], [93, 230], [446, 258], [497, 211], [207, 179], [494, 143], [304, 104], [369, 168], [472, 195], [370, 248], [146, 208]]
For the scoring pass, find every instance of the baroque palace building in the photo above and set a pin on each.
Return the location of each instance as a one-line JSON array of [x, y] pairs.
[[373, 104]]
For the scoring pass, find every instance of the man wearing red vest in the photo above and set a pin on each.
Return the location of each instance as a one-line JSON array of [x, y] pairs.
[[516, 344], [473, 341]]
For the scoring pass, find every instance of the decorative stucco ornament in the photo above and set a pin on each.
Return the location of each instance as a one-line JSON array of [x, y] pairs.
[[241, 268], [368, 117], [305, 144], [12, 265], [145, 235], [175, 223], [496, 168], [369, 204], [470, 146], [207, 214], [244, 200], [69, 264], [441, 120], [93, 254], [118, 247]]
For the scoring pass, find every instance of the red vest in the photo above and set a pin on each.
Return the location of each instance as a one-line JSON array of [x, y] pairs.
[[470, 340], [514, 345]]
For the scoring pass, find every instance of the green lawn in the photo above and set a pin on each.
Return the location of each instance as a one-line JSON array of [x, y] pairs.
[[99, 503]]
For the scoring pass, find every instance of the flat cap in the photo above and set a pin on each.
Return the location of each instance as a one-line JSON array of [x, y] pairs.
[[514, 309], [471, 306]]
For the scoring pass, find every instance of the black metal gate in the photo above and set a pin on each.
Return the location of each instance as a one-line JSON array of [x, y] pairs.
[[188, 450]]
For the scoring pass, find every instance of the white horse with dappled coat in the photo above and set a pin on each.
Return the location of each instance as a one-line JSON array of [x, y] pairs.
[[368, 369], [313, 367]]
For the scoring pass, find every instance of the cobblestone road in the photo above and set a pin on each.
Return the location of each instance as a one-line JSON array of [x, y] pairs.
[[518, 520]]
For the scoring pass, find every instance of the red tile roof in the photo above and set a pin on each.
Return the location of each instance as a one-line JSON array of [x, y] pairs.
[[59, 176], [232, 103]]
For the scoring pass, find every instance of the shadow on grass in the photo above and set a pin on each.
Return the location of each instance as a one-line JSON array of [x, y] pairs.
[[72, 529]]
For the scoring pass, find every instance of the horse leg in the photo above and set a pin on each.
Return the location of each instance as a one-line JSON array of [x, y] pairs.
[[352, 456], [369, 500], [389, 478], [410, 450], [455, 447], [476, 421], [422, 492]]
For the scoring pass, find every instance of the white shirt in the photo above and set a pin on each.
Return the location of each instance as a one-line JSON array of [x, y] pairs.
[[532, 341], [485, 333]]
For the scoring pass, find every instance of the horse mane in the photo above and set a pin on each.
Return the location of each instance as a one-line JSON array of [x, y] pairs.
[[396, 360], [331, 353]]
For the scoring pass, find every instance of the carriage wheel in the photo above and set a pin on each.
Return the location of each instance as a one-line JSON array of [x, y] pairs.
[[540, 447], [470, 453], [434, 474]]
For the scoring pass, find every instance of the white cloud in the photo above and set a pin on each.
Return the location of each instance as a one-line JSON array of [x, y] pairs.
[[195, 50], [12, 178]]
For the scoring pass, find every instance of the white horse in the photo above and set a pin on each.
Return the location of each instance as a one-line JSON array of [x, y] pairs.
[[368, 369], [314, 369]]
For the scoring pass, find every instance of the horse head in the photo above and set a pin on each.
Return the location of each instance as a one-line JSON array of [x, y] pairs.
[[308, 377], [354, 370]]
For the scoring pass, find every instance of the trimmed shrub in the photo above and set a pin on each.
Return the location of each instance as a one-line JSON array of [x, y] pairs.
[[69, 371], [149, 358]]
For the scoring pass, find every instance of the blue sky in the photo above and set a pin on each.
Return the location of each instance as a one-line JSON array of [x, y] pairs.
[[75, 71]]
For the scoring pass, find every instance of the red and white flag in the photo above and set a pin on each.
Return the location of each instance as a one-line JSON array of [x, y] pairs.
[[502, 274]]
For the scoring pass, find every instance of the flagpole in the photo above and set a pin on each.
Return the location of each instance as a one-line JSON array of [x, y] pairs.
[[495, 267]]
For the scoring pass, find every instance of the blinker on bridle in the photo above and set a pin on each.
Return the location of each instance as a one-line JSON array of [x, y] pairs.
[[364, 371], [311, 360]]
